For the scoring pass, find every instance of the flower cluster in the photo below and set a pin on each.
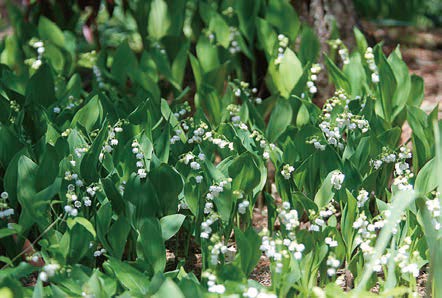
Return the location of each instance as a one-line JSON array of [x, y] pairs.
[[98, 76], [139, 155], [182, 110], [111, 141], [217, 249], [15, 108], [74, 203], [194, 161], [316, 143], [252, 292], [387, 156], [219, 141], [283, 44], [402, 172], [402, 258], [288, 218], [263, 143], [242, 88], [343, 51], [213, 287], [320, 220], [48, 271], [366, 233], [332, 264], [40, 47], [314, 71], [243, 206], [362, 197], [99, 252], [337, 179], [286, 171], [369, 57], [233, 43], [277, 250], [206, 230], [433, 207], [5, 210]]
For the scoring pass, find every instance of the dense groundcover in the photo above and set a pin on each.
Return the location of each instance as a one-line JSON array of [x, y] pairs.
[[134, 163]]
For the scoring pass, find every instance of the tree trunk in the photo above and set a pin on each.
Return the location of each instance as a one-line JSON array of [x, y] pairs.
[[322, 16]]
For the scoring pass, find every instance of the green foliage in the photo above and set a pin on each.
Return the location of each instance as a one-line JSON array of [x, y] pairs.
[[167, 130]]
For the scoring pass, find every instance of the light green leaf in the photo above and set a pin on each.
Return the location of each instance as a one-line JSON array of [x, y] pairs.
[[159, 21], [171, 224]]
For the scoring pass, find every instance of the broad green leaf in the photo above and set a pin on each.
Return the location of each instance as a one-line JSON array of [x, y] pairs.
[[310, 46], [167, 192], [90, 163], [171, 224], [387, 84], [267, 37], [280, 119], [337, 76], [40, 89], [159, 21], [169, 289], [129, 277], [286, 74], [248, 246], [90, 115], [151, 244], [83, 222], [48, 30], [325, 192], [245, 173], [361, 42], [282, 15]]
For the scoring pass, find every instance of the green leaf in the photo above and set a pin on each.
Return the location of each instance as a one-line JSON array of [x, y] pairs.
[[387, 84], [168, 289], [356, 75], [248, 246], [325, 192], [282, 15], [426, 179], [280, 119], [129, 277], [38, 290], [90, 162], [303, 116], [48, 30], [167, 192], [171, 224], [207, 53], [267, 37], [310, 46], [402, 76], [151, 244], [400, 203], [83, 222], [416, 91], [337, 76], [221, 29], [245, 173], [159, 21], [40, 89], [285, 75], [90, 115], [124, 64], [117, 236], [361, 42]]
